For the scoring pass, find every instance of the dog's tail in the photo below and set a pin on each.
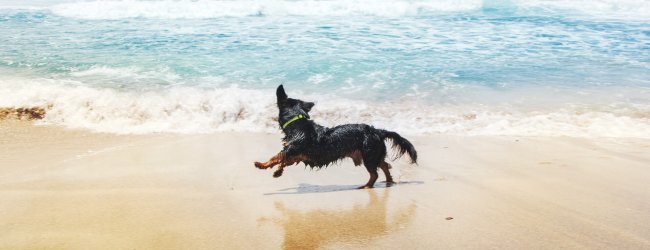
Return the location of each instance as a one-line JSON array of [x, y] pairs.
[[402, 145]]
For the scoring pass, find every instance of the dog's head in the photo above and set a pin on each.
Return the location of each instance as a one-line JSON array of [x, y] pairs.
[[290, 107]]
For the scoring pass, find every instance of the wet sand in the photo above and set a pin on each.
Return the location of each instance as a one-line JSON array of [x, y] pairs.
[[67, 189]]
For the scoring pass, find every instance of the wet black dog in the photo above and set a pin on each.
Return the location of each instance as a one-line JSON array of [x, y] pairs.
[[318, 146]]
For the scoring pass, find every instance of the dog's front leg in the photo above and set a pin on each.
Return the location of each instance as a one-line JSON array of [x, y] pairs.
[[275, 160], [279, 171], [281, 158], [288, 162]]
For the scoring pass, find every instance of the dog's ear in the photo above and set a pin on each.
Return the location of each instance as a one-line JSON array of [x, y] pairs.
[[282, 96], [307, 106]]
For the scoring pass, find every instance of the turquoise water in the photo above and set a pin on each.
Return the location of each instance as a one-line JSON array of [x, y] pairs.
[[420, 67]]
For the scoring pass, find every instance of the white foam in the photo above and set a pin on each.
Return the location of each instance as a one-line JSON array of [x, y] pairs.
[[209, 9], [29, 5], [620, 9], [176, 109], [198, 110], [130, 74], [107, 71], [189, 9]]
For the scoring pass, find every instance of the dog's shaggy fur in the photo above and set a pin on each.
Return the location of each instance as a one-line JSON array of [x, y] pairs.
[[318, 146]]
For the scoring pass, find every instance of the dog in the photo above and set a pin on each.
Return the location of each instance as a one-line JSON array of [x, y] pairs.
[[317, 146]]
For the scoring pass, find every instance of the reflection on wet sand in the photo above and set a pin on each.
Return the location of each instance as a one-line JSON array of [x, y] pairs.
[[316, 228]]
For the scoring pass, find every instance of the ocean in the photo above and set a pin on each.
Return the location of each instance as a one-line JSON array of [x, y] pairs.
[[467, 67]]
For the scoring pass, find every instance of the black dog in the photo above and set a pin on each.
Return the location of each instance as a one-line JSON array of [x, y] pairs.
[[318, 146]]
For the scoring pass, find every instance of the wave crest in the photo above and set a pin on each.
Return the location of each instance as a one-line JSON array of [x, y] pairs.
[[211, 9], [199, 9]]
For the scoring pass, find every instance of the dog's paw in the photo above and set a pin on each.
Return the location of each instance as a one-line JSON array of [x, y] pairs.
[[277, 173], [364, 187], [259, 165]]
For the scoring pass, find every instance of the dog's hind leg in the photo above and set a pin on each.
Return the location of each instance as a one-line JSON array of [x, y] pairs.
[[385, 168], [371, 181], [374, 153], [372, 163]]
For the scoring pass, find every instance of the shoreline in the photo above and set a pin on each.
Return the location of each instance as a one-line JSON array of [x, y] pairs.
[[75, 189], [188, 110]]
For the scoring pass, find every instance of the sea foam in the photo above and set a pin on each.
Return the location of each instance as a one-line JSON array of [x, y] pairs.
[[211, 9], [186, 9], [201, 9], [206, 110]]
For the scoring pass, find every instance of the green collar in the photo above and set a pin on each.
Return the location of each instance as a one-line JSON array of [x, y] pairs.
[[295, 118]]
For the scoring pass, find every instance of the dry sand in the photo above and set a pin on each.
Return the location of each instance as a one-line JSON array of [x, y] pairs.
[[65, 189]]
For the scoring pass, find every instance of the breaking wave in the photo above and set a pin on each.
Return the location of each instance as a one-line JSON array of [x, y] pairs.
[[212, 9], [186, 9], [200, 110]]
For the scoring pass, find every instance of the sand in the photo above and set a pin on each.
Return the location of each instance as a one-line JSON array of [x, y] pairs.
[[70, 189]]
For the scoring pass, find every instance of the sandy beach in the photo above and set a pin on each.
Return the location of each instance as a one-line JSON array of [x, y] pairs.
[[135, 124], [70, 189]]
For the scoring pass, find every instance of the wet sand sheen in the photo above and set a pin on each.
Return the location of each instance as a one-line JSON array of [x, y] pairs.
[[79, 190]]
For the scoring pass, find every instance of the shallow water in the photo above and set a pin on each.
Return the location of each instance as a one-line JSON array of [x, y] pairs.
[[418, 67]]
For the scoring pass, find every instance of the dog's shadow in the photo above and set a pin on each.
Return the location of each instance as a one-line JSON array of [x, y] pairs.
[[305, 188]]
